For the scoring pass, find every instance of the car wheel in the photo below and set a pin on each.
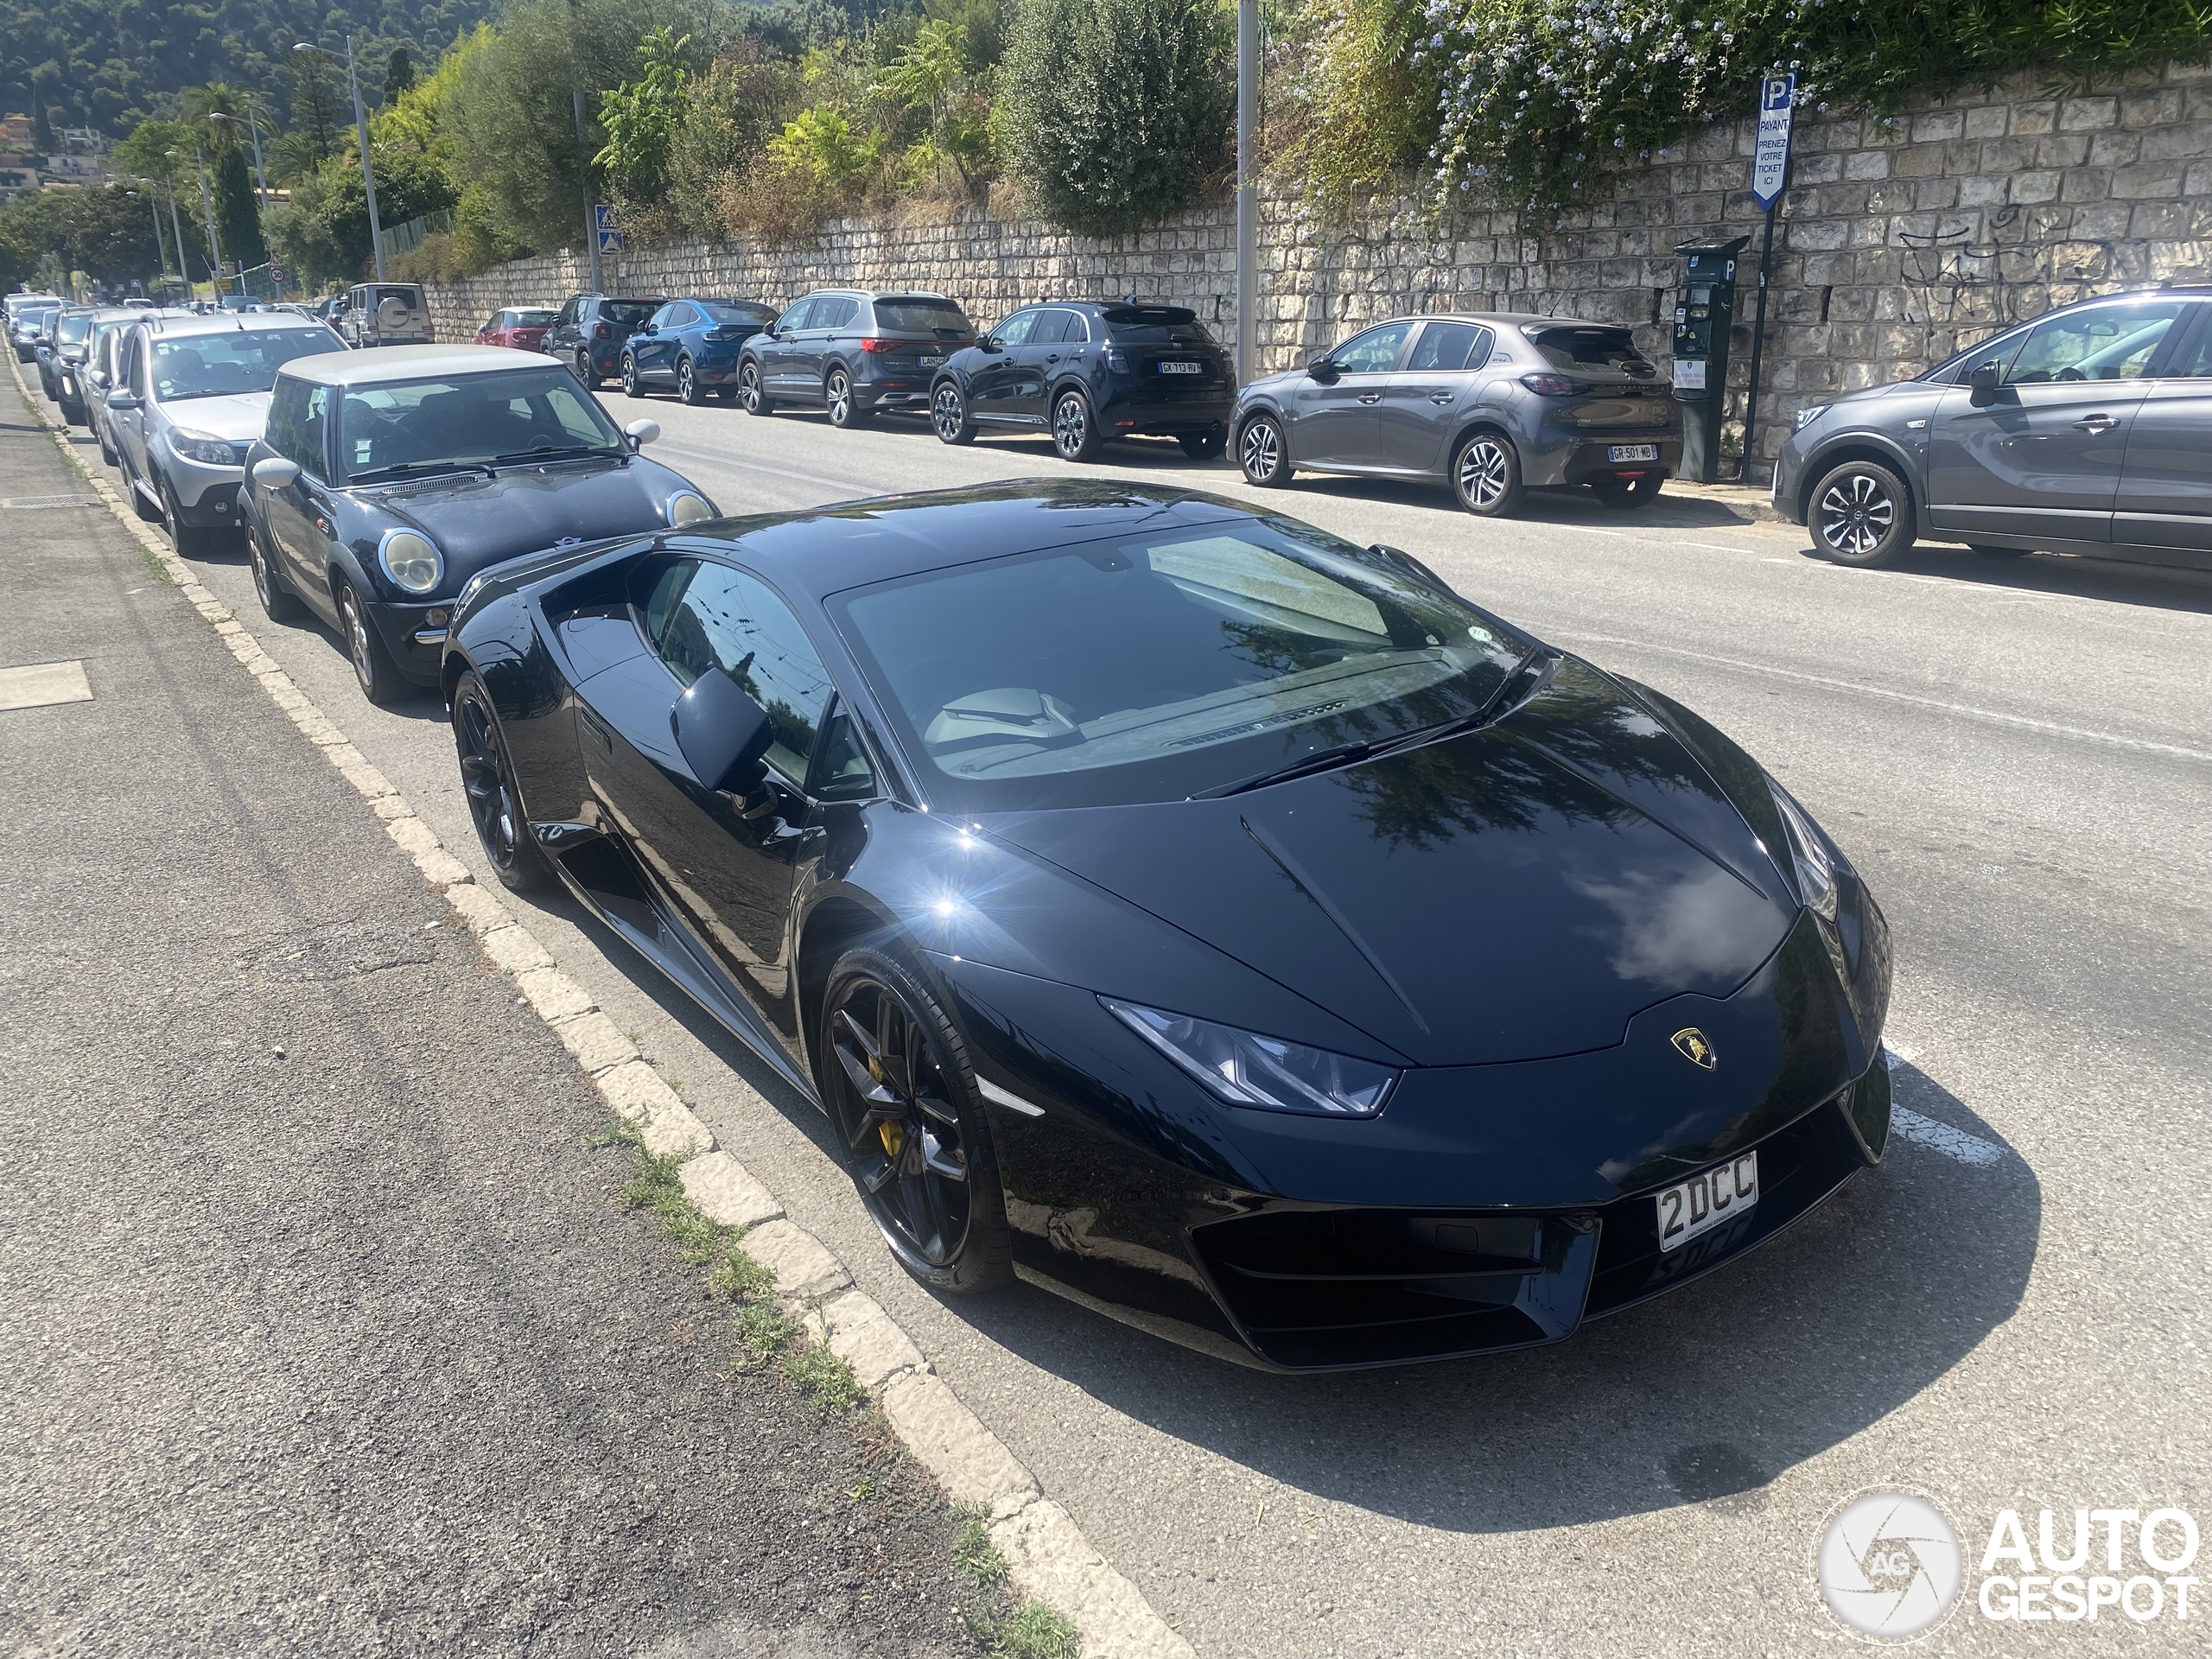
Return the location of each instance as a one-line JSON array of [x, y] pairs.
[[912, 1126], [1075, 431], [190, 541], [487, 777], [372, 663], [948, 414], [688, 390], [1202, 446], [1486, 476], [1998, 552], [585, 372], [845, 411], [150, 510], [1861, 514], [277, 600], [751, 392], [1263, 453], [1628, 493], [630, 386]]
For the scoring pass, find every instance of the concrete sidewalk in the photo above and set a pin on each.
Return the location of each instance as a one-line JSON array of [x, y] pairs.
[[322, 1332]]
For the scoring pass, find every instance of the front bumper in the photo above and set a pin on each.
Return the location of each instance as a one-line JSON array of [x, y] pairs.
[[415, 633], [1789, 481], [208, 495]]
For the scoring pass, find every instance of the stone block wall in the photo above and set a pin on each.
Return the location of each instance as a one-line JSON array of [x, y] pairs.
[[1901, 239]]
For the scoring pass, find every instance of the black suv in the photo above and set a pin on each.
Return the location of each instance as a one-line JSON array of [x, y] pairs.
[[852, 351], [588, 333], [1088, 371]]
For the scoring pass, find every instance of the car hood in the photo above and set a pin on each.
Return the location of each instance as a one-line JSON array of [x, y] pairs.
[[1518, 892], [478, 521], [239, 416]]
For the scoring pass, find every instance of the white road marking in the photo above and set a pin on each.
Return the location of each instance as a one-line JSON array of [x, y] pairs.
[[1712, 547], [1965, 711], [1941, 1137], [38, 685]]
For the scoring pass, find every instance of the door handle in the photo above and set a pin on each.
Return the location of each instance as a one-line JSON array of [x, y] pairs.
[[592, 725], [1371, 397], [1442, 397], [2096, 423]]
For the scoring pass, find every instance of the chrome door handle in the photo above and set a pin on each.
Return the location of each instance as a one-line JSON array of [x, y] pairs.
[[1442, 397], [2096, 423], [1371, 397]]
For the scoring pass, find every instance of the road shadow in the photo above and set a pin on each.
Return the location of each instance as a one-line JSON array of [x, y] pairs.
[[2061, 574], [1704, 1395]]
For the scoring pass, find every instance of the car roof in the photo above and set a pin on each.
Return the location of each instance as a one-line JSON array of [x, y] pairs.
[[381, 364], [825, 550], [194, 325]]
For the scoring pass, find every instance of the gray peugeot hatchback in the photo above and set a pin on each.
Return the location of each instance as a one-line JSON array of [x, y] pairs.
[[2087, 430], [1494, 404]]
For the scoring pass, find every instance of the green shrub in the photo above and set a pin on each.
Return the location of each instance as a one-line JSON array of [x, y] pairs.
[[1118, 110]]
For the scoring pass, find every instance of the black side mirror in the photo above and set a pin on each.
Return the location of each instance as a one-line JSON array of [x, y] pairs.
[[1984, 380], [722, 733], [1322, 369], [989, 345]]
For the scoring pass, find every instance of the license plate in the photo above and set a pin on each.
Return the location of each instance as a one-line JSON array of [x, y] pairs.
[[1182, 368], [1633, 452], [1705, 1201], [929, 362]]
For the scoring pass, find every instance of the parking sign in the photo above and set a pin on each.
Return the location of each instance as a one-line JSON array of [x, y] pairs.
[[1771, 159]]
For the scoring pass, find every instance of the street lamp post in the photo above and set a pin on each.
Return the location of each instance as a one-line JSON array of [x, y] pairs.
[[207, 206], [183, 272], [361, 129]]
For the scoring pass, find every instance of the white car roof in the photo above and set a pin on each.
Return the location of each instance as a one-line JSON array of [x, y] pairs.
[[381, 364]]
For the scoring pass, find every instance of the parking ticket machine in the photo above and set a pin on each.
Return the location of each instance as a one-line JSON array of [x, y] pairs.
[[1705, 314]]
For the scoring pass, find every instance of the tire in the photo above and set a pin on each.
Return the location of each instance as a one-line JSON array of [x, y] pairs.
[[586, 373], [631, 388], [911, 1126], [1075, 428], [1636, 493], [1263, 453], [1486, 475], [277, 601], [487, 778], [751, 392], [1860, 514], [1206, 446], [845, 411], [190, 541], [948, 414], [688, 390], [372, 666], [1998, 552]]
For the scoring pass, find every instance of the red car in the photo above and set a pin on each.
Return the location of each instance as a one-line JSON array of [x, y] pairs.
[[520, 327]]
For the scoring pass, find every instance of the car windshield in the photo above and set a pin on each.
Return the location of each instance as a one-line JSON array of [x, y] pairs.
[[477, 420], [758, 316], [628, 314], [921, 316], [1154, 324], [221, 366], [530, 319], [75, 327], [1157, 667], [1586, 348]]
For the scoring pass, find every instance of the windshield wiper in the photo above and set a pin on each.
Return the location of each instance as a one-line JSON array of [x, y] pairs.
[[1320, 760], [544, 452], [412, 468]]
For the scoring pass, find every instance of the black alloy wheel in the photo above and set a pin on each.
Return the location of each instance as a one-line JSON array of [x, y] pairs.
[[845, 410], [631, 388], [373, 665], [1486, 475], [277, 601], [913, 1132], [750, 391], [585, 372], [190, 541], [687, 383], [487, 777], [1263, 453], [1075, 430], [1861, 514], [948, 415], [1202, 446], [1628, 491]]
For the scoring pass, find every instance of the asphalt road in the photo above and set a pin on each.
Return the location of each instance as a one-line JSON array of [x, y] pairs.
[[2012, 1313], [320, 1332]]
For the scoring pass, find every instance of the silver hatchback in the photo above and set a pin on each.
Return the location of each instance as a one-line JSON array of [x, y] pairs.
[[1492, 404]]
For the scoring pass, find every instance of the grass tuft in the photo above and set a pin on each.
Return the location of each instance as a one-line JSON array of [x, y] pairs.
[[739, 1278], [973, 1553], [762, 1332], [823, 1377], [1035, 1631]]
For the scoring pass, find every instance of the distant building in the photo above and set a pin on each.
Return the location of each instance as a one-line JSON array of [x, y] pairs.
[[15, 131]]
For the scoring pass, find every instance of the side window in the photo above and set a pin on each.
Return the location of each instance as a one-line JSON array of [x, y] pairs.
[[139, 355], [1052, 327], [312, 423], [1015, 330], [1448, 347], [842, 773], [2195, 362], [2106, 342], [498, 320], [566, 316], [835, 312], [703, 616], [796, 317], [1375, 352]]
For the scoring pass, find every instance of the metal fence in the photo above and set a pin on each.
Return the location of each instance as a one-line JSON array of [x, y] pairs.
[[399, 239]]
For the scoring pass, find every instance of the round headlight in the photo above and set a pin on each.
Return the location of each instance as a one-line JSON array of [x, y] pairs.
[[410, 560], [686, 508]]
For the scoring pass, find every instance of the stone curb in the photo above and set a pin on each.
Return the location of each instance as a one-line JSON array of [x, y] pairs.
[[1048, 1557]]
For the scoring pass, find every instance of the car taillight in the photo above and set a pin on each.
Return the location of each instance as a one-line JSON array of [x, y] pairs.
[[1117, 360], [881, 344], [602, 331], [1548, 385]]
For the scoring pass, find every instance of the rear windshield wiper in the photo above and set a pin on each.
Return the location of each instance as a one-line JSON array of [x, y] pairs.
[[567, 452], [416, 468]]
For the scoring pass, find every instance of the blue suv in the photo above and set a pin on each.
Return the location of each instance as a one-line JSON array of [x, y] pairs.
[[690, 346]]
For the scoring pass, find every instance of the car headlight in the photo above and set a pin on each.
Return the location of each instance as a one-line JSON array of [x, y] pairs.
[[208, 451], [1811, 857], [1245, 1069], [412, 561], [1807, 415], [686, 507]]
